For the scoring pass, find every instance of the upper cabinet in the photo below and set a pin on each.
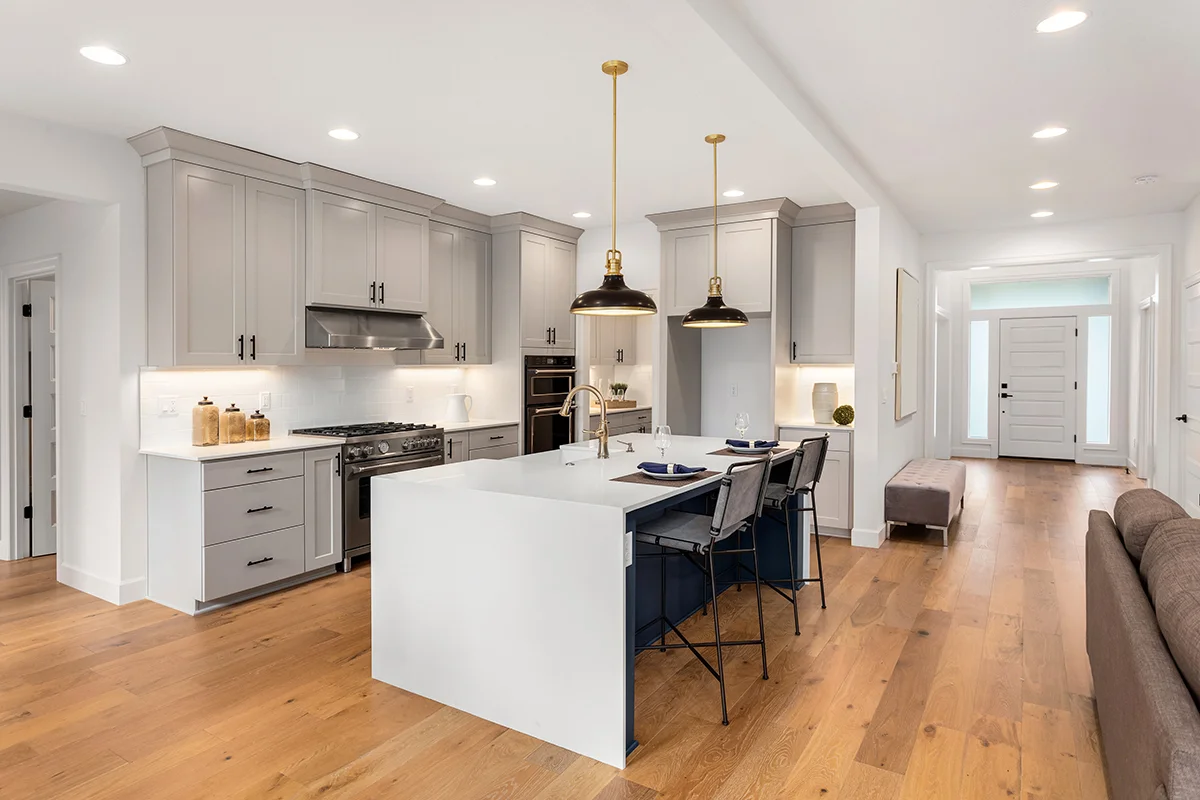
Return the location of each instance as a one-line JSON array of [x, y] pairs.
[[460, 281], [823, 294], [614, 340], [547, 276], [225, 263], [746, 257], [364, 255]]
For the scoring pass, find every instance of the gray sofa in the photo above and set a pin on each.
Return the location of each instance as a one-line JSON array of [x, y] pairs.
[[1143, 641]]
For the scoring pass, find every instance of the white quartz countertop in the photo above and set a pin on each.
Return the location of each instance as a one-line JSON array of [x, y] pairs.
[[475, 424], [278, 444], [585, 479]]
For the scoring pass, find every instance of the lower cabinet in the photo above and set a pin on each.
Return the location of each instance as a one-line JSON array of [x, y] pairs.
[[456, 447], [834, 494], [497, 442], [633, 420], [497, 452], [220, 529]]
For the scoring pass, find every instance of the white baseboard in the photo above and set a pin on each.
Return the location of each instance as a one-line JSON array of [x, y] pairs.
[[868, 537], [109, 591]]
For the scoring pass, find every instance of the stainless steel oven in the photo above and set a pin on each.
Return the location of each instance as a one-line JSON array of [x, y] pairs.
[[548, 381]]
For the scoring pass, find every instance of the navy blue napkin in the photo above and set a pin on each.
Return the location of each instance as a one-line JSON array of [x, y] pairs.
[[668, 469], [752, 443]]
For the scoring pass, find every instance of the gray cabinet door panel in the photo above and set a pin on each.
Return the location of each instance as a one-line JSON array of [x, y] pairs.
[[274, 273]]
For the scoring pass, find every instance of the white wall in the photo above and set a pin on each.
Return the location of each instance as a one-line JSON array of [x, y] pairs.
[[1141, 283], [102, 339], [884, 242]]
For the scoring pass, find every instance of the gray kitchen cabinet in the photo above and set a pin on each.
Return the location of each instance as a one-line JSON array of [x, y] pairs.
[[622, 421], [225, 268], [823, 294], [547, 290], [746, 256], [494, 443], [363, 255], [496, 453], [456, 447], [834, 493], [460, 276], [614, 340], [323, 519]]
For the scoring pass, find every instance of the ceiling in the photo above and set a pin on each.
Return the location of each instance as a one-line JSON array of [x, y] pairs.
[[441, 93], [939, 99], [15, 202]]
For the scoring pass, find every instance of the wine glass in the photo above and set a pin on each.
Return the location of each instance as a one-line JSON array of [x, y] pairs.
[[742, 423], [662, 439]]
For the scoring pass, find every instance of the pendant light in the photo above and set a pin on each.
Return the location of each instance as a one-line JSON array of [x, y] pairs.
[[614, 298], [714, 313]]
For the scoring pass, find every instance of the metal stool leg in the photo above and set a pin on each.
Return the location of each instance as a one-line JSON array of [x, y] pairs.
[[662, 598], [712, 578], [817, 536], [787, 521], [762, 632]]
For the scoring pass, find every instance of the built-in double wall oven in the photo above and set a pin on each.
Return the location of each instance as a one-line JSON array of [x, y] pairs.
[[548, 381]]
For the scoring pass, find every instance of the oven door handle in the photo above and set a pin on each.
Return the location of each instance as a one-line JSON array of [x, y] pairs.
[[356, 471], [554, 371]]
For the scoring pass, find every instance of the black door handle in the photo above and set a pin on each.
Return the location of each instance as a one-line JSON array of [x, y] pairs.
[[254, 347], [260, 561], [464, 344], [242, 347], [1005, 394], [547, 336], [337, 464], [381, 301], [260, 469], [256, 510], [1182, 418], [456, 349], [793, 351], [554, 336], [372, 292]]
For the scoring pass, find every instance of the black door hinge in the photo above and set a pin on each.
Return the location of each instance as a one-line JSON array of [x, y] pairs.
[[27, 412], [27, 310], [28, 512]]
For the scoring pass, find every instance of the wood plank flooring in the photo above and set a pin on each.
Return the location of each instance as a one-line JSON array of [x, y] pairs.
[[933, 673]]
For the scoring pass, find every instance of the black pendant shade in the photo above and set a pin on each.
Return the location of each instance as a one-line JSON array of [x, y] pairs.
[[715, 314], [613, 299]]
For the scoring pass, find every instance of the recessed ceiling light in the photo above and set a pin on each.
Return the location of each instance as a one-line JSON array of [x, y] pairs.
[[581, 214], [484, 182], [1049, 133], [973, 269], [1041, 214], [734, 193], [1043, 185], [1098, 260], [345, 134], [1061, 21], [102, 55]]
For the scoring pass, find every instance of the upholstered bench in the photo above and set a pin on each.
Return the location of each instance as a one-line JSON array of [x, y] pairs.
[[928, 491]]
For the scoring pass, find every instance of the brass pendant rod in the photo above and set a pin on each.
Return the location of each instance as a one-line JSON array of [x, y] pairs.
[[715, 237], [614, 164]]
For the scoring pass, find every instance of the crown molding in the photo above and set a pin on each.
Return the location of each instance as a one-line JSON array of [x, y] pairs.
[[774, 208], [522, 221], [462, 218]]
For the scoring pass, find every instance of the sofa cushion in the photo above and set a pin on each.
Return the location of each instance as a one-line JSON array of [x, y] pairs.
[[1171, 568], [1138, 512]]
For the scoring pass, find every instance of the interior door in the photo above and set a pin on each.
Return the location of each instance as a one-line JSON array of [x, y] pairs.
[[43, 424], [1191, 400], [1037, 387]]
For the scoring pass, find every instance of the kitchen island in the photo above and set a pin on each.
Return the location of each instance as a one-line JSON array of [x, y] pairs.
[[508, 589]]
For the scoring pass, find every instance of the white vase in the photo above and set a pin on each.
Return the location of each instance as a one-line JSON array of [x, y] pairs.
[[825, 400]]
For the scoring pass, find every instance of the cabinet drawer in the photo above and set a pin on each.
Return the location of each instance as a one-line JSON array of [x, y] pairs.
[[493, 437], [254, 561], [839, 441], [499, 451], [241, 511], [252, 469]]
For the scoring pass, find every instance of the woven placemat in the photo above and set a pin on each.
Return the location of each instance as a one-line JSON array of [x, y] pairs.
[[725, 451], [637, 477]]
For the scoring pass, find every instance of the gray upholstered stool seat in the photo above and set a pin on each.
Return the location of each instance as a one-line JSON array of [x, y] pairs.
[[679, 530], [928, 491]]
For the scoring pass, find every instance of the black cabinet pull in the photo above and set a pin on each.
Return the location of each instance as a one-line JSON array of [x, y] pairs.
[[256, 510], [494, 438], [464, 345], [793, 351], [260, 469], [381, 293], [450, 451], [456, 347], [254, 347], [547, 336], [337, 464], [554, 336], [242, 347], [260, 561], [372, 292], [1005, 395]]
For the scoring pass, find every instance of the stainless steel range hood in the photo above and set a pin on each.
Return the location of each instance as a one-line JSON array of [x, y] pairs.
[[358, 329]]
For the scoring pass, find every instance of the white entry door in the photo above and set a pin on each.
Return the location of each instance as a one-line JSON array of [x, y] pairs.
[[1037, 387], [43, 428], [1191, 400]]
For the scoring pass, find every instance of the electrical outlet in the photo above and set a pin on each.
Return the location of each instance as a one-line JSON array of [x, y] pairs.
[[629, 548], [264, 401], [408, 394], [733, 390], [167, 405]]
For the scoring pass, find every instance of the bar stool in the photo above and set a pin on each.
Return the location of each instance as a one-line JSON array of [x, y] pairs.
[[807, 466], [693, 537]]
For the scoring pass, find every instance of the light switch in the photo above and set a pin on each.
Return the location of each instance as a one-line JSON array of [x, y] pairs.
[[168, 404], [629, 548]]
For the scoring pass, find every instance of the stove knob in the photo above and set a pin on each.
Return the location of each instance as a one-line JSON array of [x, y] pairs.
[[383, 448], [406, 444], [355, 451], [368, 450]]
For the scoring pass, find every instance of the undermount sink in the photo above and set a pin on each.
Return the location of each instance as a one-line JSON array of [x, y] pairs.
[[578, 451]]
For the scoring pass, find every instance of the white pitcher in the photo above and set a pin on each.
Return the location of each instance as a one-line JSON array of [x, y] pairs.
[[458, 407]]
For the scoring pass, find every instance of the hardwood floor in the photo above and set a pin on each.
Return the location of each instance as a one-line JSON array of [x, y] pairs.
[[933, 673]]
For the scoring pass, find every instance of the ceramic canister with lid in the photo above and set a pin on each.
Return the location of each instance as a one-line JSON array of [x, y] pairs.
[[233, 425], [206, 419], [258, 429]]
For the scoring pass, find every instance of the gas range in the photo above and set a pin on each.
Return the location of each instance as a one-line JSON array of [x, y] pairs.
[[381, 440], [370, 450]]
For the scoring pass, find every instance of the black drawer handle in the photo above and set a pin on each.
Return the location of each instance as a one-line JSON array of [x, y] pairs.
[[260, 561], [260, 469], [256, 510], [494, 438]]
